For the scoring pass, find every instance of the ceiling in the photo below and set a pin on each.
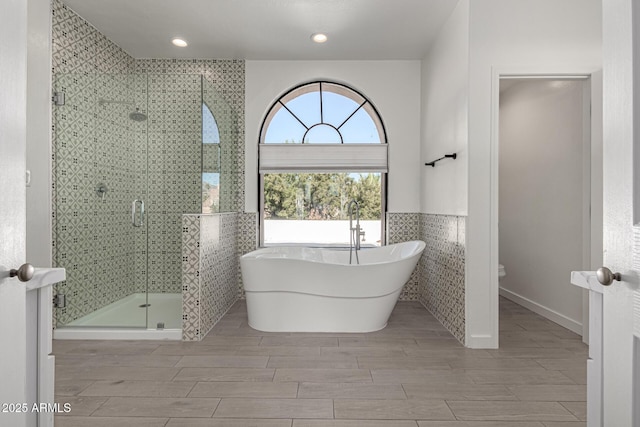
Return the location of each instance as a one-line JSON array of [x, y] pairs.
[[269, 29]]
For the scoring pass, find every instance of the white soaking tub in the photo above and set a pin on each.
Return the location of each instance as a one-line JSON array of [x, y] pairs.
[[296, 289]]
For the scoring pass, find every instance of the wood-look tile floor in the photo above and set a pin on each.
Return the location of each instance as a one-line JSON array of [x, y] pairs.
[[413, 373]]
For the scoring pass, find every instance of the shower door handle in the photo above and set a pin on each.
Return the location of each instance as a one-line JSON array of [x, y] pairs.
[[134, 210]]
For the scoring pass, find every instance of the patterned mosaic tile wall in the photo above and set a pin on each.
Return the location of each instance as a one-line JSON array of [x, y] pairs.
[[442, 270], [79, 48], [402, 227], [209, 271], [92, 145]]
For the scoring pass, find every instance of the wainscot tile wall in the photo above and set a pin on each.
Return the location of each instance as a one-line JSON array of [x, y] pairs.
[[442, 270], [402, 227], [209, 271], [439, 278]]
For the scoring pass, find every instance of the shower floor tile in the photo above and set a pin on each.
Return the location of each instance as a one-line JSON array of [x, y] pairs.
[[410, 374]]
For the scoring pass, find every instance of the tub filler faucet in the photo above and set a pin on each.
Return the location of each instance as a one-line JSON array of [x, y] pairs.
[[355, 233]]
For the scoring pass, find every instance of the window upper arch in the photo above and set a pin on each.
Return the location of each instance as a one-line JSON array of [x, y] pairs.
[[322, 112]]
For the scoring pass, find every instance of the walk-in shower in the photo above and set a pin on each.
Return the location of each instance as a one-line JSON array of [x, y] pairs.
[[131, 152]]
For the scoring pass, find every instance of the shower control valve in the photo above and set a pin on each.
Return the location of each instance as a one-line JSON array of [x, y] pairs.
[[101, 190]]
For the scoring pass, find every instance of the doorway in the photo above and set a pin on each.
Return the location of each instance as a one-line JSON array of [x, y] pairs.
[[545, 196]]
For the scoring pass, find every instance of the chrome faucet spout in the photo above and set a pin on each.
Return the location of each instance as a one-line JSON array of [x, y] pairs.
[[354, 232]]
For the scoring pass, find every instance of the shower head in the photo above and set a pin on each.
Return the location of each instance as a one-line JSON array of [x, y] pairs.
[[137, 116]]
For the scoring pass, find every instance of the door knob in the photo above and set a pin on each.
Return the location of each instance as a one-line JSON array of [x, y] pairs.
[[606, 277], [24, 273]]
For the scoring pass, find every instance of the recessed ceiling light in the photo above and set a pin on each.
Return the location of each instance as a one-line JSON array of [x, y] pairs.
[[319, 37], [179, 42]]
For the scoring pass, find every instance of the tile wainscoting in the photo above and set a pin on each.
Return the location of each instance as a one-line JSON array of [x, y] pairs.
[[209, 271], [402, 227], [442, 270], [211, 279], [439, 279]]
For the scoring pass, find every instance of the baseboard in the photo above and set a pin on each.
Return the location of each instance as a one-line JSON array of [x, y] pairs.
[[482, 342], [543, 311]]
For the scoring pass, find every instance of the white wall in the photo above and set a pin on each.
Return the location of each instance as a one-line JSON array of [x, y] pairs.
[[444, 124], [541, 197], [39, 133], [392, 86], [534, 37]]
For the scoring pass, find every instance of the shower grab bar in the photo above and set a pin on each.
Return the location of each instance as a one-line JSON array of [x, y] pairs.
[[134, 210]]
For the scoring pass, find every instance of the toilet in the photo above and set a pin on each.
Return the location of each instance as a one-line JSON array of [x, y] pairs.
[[501, 271]]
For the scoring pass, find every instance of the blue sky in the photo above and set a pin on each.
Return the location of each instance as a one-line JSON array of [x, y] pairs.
[[335, 110], [210, 133], [211, 178]]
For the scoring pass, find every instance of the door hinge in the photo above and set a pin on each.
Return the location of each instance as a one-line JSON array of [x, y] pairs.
[[58, 98], [60, 301]]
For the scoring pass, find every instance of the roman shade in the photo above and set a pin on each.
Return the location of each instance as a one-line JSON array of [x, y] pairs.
[[282, 158]]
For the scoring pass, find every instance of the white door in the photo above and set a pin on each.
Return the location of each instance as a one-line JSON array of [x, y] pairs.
[[621, 213], [13, 75]]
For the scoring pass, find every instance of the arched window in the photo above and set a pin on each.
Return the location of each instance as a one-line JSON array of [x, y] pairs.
[[210, 162], [322, 145]]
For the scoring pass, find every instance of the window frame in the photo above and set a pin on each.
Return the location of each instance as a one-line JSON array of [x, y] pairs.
[[376, 118]]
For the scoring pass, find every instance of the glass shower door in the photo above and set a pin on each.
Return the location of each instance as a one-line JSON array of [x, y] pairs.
[[99, 170]]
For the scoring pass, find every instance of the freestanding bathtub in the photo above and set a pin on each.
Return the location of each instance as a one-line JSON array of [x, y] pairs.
[[296, 289]]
